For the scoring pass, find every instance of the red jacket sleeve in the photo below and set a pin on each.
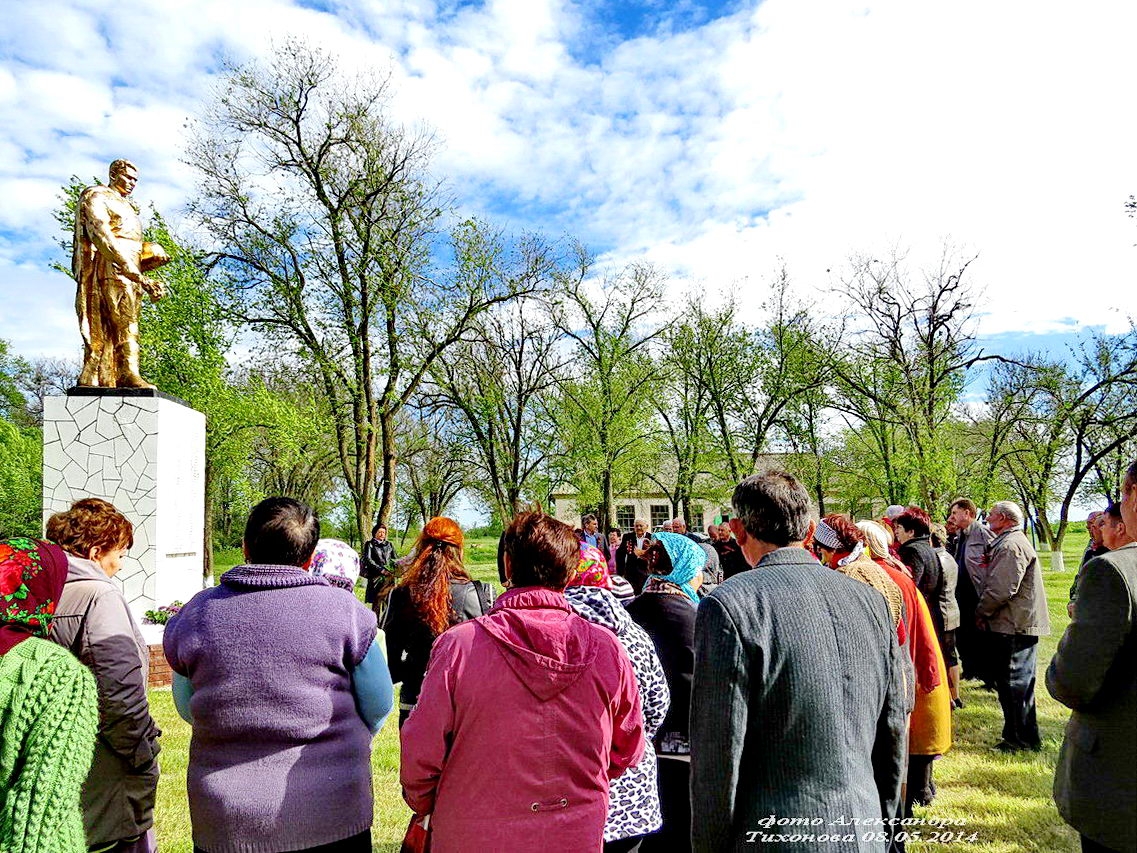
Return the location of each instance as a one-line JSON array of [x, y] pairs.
[[425, 735]]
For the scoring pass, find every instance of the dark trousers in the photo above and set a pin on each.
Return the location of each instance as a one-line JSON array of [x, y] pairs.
[[970, 641], [1013, 659], [623, 845], [921, 788], [356, 844], [675, 804], [1091, 846]]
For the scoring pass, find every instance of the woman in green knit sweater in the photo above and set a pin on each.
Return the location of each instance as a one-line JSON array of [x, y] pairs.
[[48, 708]]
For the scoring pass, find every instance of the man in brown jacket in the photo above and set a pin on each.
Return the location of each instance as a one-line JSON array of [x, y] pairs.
[[1012, 608]]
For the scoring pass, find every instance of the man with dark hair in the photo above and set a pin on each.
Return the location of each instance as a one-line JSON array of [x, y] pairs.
[[590, 525], [798, 705], [377, 566], [1012, 609], [971, 542], [1114, 532], [281, 532], [1094, 673]]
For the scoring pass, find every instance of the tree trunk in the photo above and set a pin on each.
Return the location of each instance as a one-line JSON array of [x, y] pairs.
[[606, 500], [207, 537], [390, 462]]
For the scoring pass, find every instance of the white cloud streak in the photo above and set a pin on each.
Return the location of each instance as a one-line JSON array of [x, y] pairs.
[[786, 130]]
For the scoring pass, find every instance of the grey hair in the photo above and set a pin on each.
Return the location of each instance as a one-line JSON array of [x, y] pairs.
[[1010, 509], [642, 521], [773, 507]]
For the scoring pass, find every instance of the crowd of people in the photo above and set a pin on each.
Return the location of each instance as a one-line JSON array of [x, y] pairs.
[[649, 690]]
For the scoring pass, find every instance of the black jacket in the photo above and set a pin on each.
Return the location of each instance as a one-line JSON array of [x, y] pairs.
[[670, 622], [409, 640], [928, 575], [375, 565], [631, 566]]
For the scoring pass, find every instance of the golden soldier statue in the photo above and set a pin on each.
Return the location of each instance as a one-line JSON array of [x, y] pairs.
[[108, 263]]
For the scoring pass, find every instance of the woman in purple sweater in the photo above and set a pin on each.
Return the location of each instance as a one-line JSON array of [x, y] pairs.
[[277, 671]]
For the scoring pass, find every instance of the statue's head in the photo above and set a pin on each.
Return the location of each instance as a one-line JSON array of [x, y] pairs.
[[123, 176]]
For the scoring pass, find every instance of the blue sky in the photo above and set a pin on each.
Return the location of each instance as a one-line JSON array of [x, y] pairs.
[[715, 140]]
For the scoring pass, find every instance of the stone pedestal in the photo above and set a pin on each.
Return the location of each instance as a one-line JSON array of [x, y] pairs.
[[144, 452]]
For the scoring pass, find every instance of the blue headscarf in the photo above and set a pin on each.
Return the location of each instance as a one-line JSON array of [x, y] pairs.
[[687, 560]]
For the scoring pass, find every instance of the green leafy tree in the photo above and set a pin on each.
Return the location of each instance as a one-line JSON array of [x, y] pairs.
[[902, 365], [329, 236], [21, 453], [605, 408], [501, 380], [1070, 418]]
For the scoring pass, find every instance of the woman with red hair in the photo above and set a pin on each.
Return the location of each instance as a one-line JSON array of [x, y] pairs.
[[435, 593]]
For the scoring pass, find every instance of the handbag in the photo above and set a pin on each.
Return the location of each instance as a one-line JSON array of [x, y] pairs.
[[417, 837]]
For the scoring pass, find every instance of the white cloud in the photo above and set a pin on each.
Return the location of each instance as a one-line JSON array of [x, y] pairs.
[[786, 130]]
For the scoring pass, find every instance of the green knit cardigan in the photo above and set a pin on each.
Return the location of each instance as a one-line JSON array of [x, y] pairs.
[[49, 715]]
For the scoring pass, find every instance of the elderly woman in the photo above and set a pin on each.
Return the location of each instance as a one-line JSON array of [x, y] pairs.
[[48, 708], [336, 562], [666, 610], [94, 622], [838, 544], [633, 801], [545, 698], [929, 728], [279, 673]]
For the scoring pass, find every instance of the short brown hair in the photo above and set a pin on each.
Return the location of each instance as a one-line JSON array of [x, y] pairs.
[[542, 551], [90, 523], [965, 504]]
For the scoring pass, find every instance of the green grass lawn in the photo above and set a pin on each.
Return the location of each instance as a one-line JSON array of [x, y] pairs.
[[1005, 800]]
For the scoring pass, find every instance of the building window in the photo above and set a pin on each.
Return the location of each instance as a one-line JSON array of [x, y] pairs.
[[659, 514], [697, 519], [625, 517]]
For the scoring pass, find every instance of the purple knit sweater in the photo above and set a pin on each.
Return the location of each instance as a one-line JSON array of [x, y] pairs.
[[280, 758]]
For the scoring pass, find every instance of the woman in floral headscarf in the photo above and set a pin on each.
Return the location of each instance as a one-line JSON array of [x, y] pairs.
[[633, 798], [48, 708], [666, 610], [336, 562]]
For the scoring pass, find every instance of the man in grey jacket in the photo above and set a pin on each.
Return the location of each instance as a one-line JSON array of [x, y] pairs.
[[972, 540], [1094, 672], [1012, 607], [798, 704]]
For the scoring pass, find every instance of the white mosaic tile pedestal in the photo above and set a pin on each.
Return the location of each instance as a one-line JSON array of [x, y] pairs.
[[145, 453]]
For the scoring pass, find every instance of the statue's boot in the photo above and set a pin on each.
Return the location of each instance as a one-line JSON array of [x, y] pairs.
[[128, 373], [89, 377]]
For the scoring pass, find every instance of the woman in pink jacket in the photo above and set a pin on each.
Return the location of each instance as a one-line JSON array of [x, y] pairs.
[[529, 699]]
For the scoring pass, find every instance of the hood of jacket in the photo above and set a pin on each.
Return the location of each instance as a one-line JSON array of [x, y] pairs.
[[546, 645], [600, 607], [79, 569]]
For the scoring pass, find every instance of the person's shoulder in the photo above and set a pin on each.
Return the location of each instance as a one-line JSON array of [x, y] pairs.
[[43, 659], [1123, 561]]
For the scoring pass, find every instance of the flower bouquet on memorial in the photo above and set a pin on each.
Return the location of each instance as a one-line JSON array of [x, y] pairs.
[[162, 615]]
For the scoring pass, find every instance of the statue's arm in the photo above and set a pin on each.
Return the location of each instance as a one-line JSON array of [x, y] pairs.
[[97, 220]]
